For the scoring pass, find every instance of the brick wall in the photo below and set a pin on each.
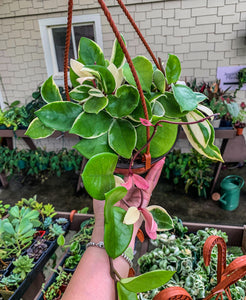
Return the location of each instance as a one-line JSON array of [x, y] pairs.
[[205, 34]]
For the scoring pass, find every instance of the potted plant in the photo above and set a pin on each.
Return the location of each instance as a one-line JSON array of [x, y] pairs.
[[127, 111], [8, 284], [3, 209], [183, 252], [56, 289], [239, 120]]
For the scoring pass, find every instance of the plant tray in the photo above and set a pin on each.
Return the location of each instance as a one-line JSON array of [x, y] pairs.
[[39, 265]]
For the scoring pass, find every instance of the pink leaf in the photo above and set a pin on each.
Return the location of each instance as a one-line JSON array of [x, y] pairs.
[[140, 182], [128, 183], [145, 122], [150, 224]]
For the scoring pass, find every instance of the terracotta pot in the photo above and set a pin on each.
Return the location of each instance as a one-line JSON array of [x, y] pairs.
[[137, 168], [141, 168], [239, 131]]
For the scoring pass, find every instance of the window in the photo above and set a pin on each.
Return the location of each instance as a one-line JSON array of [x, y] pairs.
[[53, 34]]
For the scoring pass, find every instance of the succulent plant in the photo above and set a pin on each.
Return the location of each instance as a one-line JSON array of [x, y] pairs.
[[37, 249]]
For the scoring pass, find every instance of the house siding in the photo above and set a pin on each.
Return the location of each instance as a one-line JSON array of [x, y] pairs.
[[204, 34]]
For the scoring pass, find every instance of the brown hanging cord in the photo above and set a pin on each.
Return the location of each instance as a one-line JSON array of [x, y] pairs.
[[128, 58], [67, 46], [134, 25]]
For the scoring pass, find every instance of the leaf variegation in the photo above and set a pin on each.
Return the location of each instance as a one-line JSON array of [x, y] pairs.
[[210, 151], [104, 76], [59, 115], [144, 71], [50, 91], [98, 175], [37, 130], [139, 112], [118, 75], [80, 93], [90, 53], [163, 220], [147, 281], [117, 235], [159, 80], [157, 108], [73, 78], [122, 137], [132, 215], [91, 147], [202, 130], [95, 104], [117, 56], [124, 102], [91, 125], [95, 93]]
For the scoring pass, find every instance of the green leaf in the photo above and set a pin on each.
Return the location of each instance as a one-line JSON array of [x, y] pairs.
[[50, 91], [98, 175], [104, 76], [95, 104], [124, 102], [124, 294], [60, 240], [173, 69], [161, 217], [59, 115], [37, 130], [210, 150], [163, 140], [80, 93], [14, 212], [112, 197], [25, 226], [171, 106], [159, 80], [91, 125], [139, 112], [186, 98], [90, 53], [202, 130], [117, 235], [91, 147], [117, 56], [8, 227], [144, 71], [73, 78], [157, 108], [122, 137], [147, 281]]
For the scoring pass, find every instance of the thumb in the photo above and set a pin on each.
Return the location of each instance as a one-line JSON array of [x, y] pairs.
[[154, 174]]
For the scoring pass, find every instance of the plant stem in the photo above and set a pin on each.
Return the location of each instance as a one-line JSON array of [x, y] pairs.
[[154, 132]]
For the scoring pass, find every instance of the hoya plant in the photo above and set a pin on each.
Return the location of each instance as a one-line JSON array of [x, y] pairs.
[[117, 119]]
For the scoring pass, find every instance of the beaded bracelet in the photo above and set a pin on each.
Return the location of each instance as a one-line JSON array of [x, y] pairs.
[[101, 245]]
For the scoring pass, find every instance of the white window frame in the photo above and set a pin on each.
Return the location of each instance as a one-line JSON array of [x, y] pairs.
[[46, 25]]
